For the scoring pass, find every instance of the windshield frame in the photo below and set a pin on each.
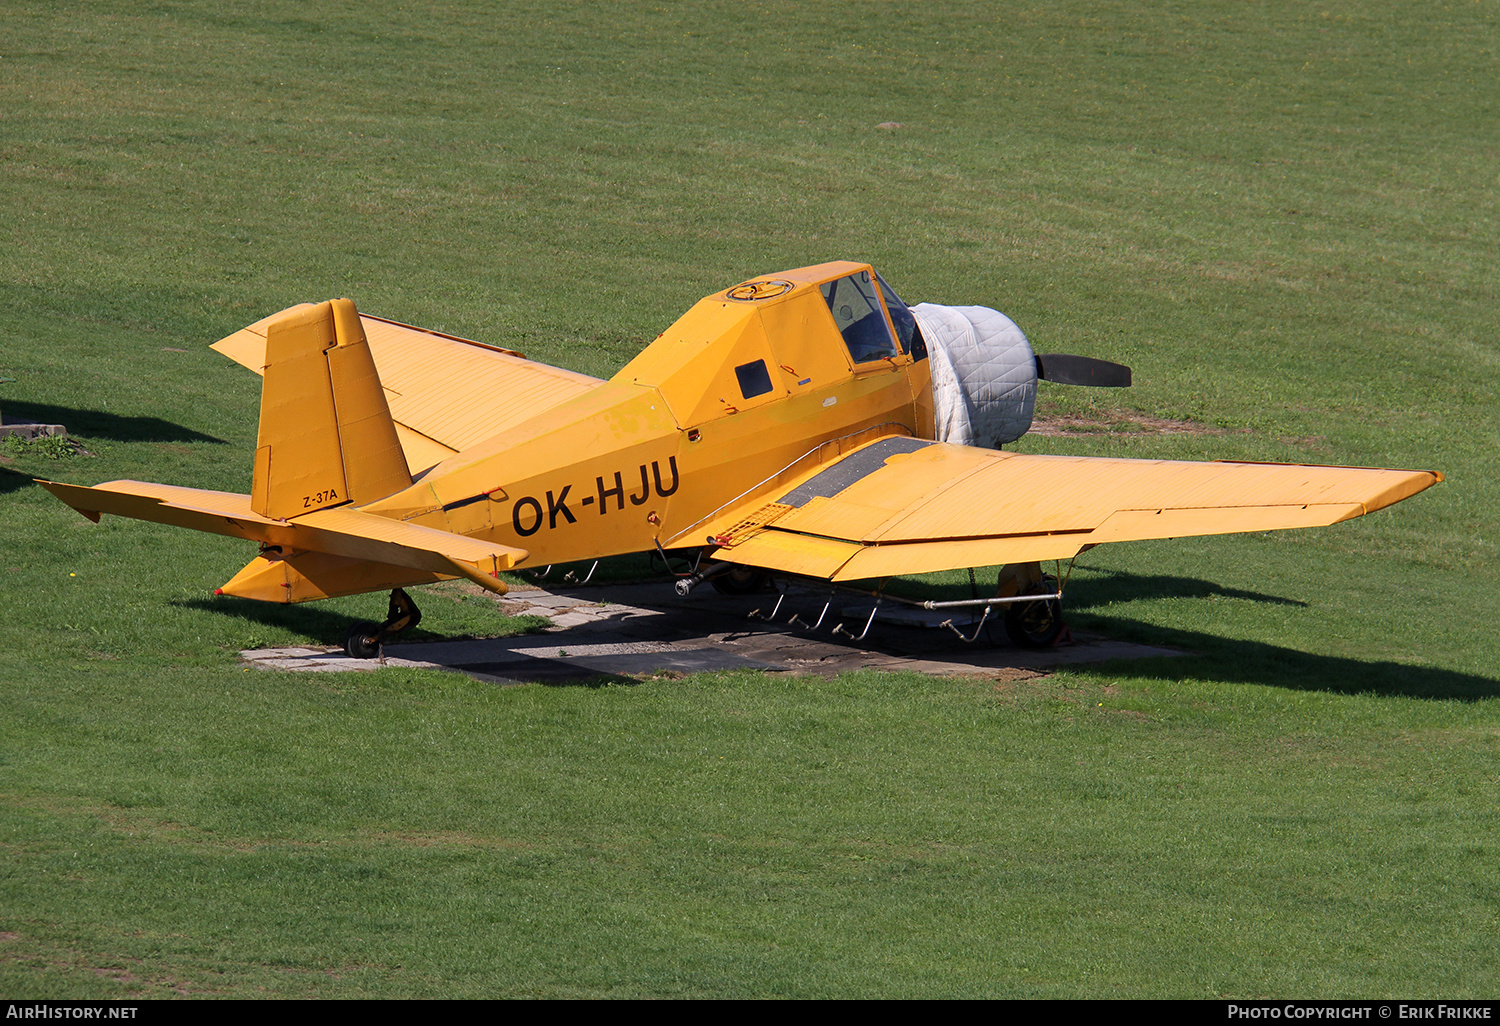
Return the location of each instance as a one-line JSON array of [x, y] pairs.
[[854, 301]]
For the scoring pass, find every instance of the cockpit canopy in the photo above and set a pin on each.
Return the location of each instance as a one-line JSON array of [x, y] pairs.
[[775, 337], [857, 314]]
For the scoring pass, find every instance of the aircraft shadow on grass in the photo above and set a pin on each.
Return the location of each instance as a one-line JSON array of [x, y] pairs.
[[1215, 657], [1253, 662], [328, 628], [99, 424], [10, 481], [1210, 657], [324, 626], [1114, 586]]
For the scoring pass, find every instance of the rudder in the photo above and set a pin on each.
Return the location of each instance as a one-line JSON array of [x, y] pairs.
[[326, 434]]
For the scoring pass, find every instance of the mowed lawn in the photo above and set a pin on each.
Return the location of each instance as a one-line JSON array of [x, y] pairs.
[[1281, 215]]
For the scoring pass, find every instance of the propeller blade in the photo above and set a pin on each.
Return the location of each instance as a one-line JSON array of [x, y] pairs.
[[1081, 370]]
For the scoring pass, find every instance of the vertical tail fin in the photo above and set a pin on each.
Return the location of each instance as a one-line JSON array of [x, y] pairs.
[[326, 434]]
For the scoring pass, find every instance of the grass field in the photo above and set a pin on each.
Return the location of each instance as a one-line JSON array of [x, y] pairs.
[[1281, 215]]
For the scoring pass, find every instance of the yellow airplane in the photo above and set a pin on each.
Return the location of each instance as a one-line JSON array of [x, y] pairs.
[[804, 424]]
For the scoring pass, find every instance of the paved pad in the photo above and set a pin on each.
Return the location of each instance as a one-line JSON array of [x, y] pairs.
[[627, 631]]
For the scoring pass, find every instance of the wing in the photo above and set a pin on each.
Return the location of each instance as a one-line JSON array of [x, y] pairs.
[[902, 505], [445, 393]]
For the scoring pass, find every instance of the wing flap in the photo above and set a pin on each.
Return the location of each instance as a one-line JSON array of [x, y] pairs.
[[790, 553], [872, 561]]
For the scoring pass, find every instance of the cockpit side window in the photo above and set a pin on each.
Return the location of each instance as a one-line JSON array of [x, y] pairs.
[[908, 334], [857, 312]]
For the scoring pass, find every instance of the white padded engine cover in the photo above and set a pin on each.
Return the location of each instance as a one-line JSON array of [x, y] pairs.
[[983, 374]]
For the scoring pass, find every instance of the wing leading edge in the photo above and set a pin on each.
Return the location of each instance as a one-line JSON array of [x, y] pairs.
[[903, 505]]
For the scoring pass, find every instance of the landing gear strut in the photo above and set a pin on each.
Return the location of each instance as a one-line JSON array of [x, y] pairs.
[[364, 639]]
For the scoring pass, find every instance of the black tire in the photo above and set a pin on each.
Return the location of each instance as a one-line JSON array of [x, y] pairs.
[[742, 580], [361, 640], [1036, 624]]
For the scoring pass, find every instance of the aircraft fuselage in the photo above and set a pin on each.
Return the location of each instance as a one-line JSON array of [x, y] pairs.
[[735, 392]]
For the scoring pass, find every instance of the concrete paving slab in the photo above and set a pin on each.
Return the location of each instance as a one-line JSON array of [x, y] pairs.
[[572, 619], [693, 660]]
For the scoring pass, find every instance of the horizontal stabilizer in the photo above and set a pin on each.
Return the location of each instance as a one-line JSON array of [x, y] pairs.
[[342, 531]]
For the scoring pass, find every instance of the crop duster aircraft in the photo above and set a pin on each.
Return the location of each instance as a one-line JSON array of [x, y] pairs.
[[805, 424]]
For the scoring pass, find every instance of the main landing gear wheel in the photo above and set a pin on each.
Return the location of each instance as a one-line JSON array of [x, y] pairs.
[[364, 639], [742, 580], [1036, 624]]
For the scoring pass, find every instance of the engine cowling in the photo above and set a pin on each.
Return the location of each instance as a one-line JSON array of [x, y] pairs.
[[984, 374]]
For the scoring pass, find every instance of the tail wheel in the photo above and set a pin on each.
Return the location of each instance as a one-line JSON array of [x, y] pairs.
[[1036, 624], [363, 639]]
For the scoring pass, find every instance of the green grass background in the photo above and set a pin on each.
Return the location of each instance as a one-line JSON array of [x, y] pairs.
[[1281, 215]]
